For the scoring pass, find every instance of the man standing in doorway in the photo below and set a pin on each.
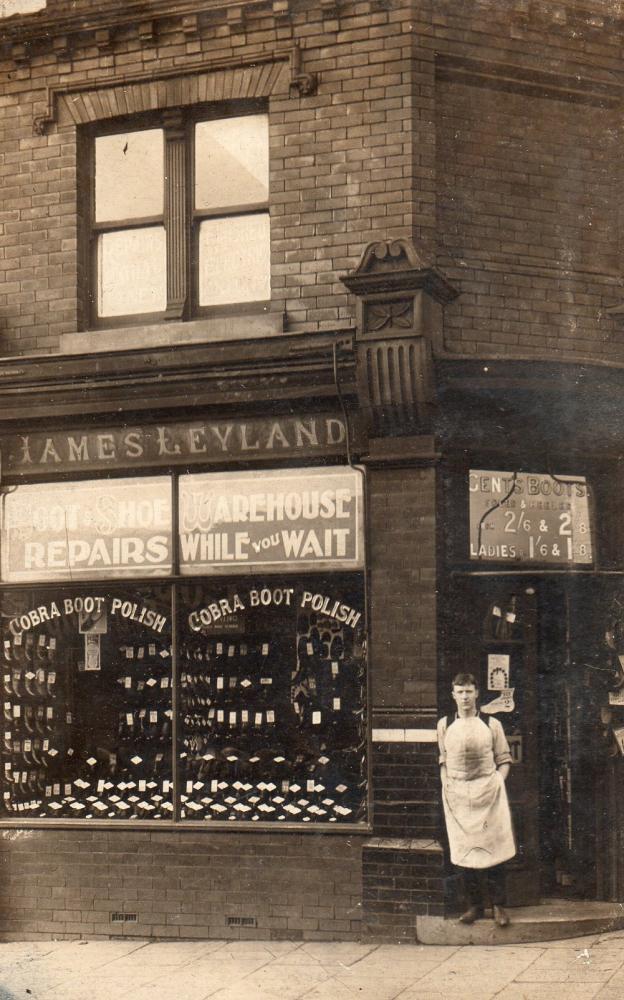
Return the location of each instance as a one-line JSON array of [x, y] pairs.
[[474, 764]]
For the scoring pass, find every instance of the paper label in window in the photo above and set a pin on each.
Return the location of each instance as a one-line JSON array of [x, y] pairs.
[[127, 682], [153, 717], [220, 683], [232, 719], [140, 653], [152, 649], [244, 715], [220, 715], [316, 718], [219, 649], [129, 719], [164, 682], [336, 704], [334, 668], [270, 716], [258, 719], [265, 649], [17, 641], [52, 646], [17, 711]]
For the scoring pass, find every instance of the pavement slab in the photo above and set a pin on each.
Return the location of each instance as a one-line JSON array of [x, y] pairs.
[[582, 969]]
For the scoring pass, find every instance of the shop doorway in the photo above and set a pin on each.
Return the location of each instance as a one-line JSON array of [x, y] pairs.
[[532, 644], [571, 774]]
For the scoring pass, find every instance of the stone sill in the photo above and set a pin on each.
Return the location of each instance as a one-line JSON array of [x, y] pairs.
[[200, 331], [399, 844]]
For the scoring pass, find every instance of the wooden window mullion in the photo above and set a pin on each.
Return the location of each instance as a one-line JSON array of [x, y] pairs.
[[176, 221]]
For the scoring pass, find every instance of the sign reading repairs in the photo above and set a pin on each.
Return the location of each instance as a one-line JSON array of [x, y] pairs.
[[288, 519], [171, 444], [86, 530], [525, 517]]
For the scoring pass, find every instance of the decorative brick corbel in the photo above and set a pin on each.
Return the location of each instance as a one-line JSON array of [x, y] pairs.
[[235, 17], [399, 327], [104, 40], [21, 53], [148, 32], [62, 46], [190, 26], [281, 11]]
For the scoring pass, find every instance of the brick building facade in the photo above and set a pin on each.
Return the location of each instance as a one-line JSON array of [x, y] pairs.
[[444, 275]]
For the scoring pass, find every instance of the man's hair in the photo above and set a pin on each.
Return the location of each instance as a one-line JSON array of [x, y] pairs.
[[464, 680]]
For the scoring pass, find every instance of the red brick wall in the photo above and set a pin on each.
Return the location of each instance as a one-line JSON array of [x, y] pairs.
[[341, 166], [180, 884], [402, 560], [526, 198]]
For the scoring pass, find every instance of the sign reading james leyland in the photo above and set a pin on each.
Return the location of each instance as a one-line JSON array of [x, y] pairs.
[[172, 443]]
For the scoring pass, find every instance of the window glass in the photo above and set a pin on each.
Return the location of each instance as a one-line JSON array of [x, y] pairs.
[[234, 259], [95, 528], [132, 271], [231, 162], [273, 705], [129, 175], [87, 703]]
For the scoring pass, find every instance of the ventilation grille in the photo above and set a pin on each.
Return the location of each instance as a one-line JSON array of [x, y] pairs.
[[124, 918], [241, 922]]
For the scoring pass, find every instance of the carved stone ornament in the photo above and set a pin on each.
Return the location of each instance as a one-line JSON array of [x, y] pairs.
[[399, 312]]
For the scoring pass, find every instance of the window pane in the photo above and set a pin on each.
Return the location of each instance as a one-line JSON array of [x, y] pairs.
[[273, 700], [234, 260], [87, 704], [129, 175], [87, 530], [132, 272], [232, 162]]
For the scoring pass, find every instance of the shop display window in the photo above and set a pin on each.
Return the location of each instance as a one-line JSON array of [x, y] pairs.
[[206, 671], [273, 700], [87, 704]]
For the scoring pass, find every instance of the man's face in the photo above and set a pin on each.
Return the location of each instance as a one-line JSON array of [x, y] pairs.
[[465, 697]]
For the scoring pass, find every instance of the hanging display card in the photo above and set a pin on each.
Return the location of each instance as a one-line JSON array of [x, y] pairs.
[[498, 671], [522, 517], [235, 522]]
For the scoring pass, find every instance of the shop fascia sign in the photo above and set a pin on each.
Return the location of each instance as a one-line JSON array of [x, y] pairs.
[[535, 518], [167, 444], [228, 523]]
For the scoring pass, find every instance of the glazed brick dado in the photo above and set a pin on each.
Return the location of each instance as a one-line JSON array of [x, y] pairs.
[[179, 885]]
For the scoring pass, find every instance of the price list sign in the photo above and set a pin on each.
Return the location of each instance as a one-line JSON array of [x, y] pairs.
[[526, 517]]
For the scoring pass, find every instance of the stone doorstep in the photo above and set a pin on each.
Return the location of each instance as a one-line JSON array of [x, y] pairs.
[[551, 920]]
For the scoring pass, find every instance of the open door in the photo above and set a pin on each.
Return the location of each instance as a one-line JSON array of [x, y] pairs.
[[490, 630]]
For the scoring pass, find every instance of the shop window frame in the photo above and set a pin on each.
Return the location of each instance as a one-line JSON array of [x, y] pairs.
[[176, 582], [182, 237]]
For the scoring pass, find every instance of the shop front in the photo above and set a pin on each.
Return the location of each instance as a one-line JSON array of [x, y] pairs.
[[533, 608], [185, 648]]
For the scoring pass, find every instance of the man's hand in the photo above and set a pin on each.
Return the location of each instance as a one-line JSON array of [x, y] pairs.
[[504, 770]]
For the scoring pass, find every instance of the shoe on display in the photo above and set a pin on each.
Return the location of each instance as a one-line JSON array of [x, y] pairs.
[[501, 917]]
